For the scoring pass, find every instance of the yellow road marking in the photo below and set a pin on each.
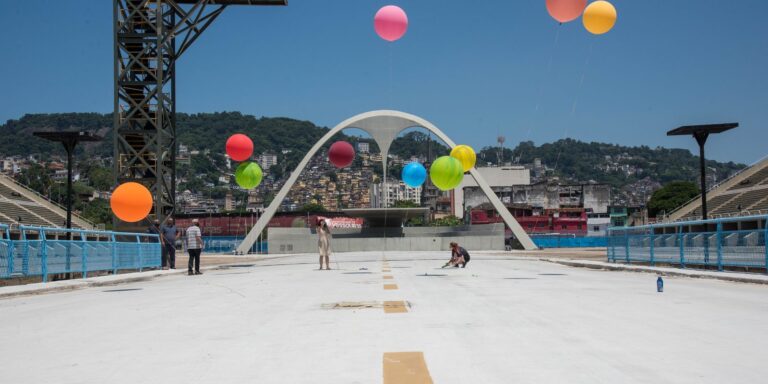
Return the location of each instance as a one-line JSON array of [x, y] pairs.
[[395, 307], [390, 286], [386, 270], [405, 368], [388, 277]]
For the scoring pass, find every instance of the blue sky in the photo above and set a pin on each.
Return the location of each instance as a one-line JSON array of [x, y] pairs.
[[475, 69]]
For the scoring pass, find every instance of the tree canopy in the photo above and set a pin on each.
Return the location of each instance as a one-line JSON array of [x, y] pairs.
[[671, 196]]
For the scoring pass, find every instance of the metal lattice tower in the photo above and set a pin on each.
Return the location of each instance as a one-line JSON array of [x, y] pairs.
[[146, 34]]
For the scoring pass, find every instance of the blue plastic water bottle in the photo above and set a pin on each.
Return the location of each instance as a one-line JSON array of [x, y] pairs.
[[659, 285]]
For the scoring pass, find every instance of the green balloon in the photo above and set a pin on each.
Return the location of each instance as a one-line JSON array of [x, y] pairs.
[[248, 175], [446, 173]]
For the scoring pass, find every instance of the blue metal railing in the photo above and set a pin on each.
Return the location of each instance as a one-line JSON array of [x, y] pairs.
[[228, 244], [569, 241], [694, 243], [41, 251]]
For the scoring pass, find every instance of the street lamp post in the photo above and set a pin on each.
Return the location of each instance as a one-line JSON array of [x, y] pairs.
[[701, 133], [70, 141]]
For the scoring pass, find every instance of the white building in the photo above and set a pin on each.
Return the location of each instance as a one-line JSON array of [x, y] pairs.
[[60, 176], [505, 176], [363, 147], [267, 160], [395, 190]]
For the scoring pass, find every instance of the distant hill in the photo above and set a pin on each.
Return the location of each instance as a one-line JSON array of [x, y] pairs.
[[572, 160], [610, 163], [199, 131]]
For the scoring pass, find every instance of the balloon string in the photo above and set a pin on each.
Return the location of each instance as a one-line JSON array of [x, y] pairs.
[[575, 100], [540, 96], [391, 75]]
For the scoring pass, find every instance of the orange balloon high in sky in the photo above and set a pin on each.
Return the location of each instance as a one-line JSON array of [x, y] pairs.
[[599, 17], [131, 202]]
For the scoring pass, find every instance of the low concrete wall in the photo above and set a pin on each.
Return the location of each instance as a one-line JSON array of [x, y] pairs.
[[304, 240]]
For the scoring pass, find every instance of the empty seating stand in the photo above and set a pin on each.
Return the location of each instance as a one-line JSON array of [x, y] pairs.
[[745, 193], [16, 212], [742, 201], [758, 178], [18, 205], [11, 194]]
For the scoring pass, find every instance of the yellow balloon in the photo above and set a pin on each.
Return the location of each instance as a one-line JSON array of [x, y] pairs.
[[599, 17], [466, 155]]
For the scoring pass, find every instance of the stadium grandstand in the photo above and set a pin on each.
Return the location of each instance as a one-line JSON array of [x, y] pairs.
[[743, 194], [20, 205]]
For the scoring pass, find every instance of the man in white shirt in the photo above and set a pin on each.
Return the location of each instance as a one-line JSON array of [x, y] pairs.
[[194, 240]]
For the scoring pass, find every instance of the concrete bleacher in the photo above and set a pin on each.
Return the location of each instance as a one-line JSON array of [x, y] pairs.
[[20, 205], [744, 194]]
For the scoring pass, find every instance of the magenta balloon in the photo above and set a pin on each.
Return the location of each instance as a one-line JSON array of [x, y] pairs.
[[390, 22]]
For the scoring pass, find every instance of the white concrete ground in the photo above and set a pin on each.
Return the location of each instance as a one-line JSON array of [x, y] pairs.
[[500, 320]]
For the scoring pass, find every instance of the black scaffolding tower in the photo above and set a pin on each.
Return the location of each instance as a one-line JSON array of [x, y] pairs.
[[150, 36]]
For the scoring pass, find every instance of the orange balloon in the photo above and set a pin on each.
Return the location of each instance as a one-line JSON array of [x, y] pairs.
[[131, 202]]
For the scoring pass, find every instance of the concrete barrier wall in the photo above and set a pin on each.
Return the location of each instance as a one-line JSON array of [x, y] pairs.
[[304, 240]]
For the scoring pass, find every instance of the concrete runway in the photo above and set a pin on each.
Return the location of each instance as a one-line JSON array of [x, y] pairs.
[[500, 320]]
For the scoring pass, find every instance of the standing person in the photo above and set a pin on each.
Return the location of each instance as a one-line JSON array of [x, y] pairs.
[[194, 247], [154, 229], [324, 243], [168, 234]]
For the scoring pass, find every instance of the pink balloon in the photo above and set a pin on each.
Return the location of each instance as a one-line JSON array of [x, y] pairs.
[[566, 10], [390, 22]]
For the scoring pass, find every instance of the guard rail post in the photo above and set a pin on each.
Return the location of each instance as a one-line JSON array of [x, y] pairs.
[[44, 255], [114, 252], [141, 258], [626, 245], [11, 251], [653, 258], [720, 246], [681, 240], [84, 254], [68, 251], [765, 244], [25, 256]]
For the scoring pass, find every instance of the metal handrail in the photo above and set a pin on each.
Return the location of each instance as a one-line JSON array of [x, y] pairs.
[[56, 255], [727, 179], [711, 246], [46, 199]]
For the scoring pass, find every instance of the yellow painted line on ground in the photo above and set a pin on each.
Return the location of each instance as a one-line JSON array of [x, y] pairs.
[[390, 286], [386, 270], [388, 277], [406, 368], [395, 307]]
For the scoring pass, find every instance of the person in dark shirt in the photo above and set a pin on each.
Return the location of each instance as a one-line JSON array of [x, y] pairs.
[[154, 229], [459, 255], [168, 234]]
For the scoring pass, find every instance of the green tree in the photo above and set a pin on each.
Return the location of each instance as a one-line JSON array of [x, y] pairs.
[[312, 207], [404, 204], [671, 196], [36, 177], [97, 211], [448, 221], [100, 178]]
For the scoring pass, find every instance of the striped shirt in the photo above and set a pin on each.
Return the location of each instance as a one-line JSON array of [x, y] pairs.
[[193, 233]]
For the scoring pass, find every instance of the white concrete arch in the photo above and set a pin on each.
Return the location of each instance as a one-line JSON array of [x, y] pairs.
[[383, 126]]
